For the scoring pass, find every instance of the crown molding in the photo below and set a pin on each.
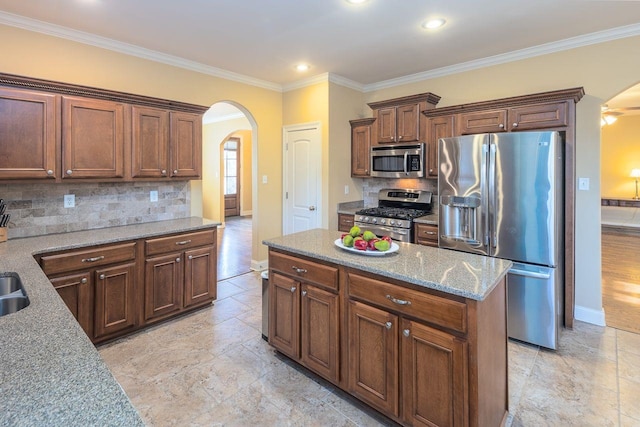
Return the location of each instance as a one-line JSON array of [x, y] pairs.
[[543, 49], [321, 78], [129, 49]]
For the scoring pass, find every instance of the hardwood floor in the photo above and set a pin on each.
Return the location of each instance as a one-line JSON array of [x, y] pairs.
[[234, 247], [621, 280]]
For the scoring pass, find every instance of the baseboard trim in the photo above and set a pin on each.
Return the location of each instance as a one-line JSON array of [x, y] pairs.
[[259, 265], [589, 315], [246, 213]]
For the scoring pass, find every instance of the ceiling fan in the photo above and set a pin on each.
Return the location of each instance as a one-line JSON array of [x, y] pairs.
[[610, 115]]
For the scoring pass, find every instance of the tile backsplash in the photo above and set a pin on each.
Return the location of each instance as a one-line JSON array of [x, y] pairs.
[[371, 186], [38, 209]]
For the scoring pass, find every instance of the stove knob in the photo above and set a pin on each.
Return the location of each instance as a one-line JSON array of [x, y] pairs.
[[360, 218], [392, 222], [383, 221], [366, 219], [374, 220]]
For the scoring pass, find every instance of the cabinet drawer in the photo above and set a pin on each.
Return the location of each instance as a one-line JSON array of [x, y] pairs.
[[179, 242], [309, 271], [345, 222], [421, 305], [88, 258], [427, 233]]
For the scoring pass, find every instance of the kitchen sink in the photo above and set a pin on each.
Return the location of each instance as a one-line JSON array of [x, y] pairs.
[[13, 297]]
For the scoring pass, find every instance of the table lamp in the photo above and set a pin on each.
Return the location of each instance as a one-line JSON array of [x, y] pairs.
[[635, 173]]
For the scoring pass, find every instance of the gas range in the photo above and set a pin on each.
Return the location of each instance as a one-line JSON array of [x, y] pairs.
[[395, 213]]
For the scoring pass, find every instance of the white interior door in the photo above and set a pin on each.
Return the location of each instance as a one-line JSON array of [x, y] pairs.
[[302, 178]]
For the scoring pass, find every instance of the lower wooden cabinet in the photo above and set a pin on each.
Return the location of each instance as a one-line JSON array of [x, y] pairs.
[[162, 285], [426, 234], [115, 301], [200, 275], [345, 222], [76, 290]]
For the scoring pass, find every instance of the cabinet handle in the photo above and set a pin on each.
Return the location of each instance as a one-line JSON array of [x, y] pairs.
[[175, 171], [84, 280], [298, 270], [388, 325], [94, 259], [398, 301], [190, 257], [501, 126], [293, 289], [164, 172], [406, 332], [304, 293], [49, 172], [102, 277], [184, 242], [515, 125], [178, 259], [431, 232], [69, 171]]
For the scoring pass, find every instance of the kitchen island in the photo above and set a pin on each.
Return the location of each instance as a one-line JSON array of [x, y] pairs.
[[51, 374], [418, 334]]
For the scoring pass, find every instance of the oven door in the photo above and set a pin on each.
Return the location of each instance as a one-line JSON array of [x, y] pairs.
[[398, 162], [399, 234]]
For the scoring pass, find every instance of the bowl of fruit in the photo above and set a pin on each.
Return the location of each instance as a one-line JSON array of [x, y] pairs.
[[366, 243]]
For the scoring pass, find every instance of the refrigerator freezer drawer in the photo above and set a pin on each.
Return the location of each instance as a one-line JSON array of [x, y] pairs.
[[533, 304]]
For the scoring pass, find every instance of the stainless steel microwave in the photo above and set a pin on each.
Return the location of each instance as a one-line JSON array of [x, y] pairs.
[[398, 161]]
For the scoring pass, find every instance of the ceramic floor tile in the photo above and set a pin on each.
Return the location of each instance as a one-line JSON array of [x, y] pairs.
[[628, 342], [629, 395], [226, 289], [356, 411], [521, 359], [629, 366]]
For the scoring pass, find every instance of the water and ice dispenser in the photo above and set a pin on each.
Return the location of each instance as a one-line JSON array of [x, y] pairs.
[[460, 219]]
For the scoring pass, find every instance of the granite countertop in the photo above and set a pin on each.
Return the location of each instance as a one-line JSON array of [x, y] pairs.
[[458, 273], [51, 374], [431, 219]]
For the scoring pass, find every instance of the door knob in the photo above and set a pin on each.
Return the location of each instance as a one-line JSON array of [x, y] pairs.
[[312, 208]]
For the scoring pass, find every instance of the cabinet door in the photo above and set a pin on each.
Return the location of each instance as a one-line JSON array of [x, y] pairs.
[[439, 127], [92, 138], [320, 331], [163, 285], [482, 122], [149, 143], [284, 315], [434, 376], [75, 291], [345, 222], [360, 150], [200, 276], [27, 134], [538, 116], [114, 299], [373, 356], [186, 145], [408, 123], [386, 125]]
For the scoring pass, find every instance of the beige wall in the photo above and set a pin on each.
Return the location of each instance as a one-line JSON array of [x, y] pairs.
[[37, 55], [620, 151], [603, 70]]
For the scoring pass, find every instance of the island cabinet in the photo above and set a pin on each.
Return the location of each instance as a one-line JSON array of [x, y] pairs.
[[426, 234], [98, 287], [179, 273], [361, 147], [28, 134], [345, 222], [304, 312]]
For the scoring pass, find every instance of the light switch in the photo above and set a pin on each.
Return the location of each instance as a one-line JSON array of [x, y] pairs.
[[346, 189], [264, 179], [583, 184], [153, 196]]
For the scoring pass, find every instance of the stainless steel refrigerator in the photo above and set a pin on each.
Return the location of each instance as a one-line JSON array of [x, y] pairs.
[[501, 195]]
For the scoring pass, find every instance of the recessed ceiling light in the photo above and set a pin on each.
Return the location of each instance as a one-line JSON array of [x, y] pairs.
[[431, 24], [356, 1], [302, 67]]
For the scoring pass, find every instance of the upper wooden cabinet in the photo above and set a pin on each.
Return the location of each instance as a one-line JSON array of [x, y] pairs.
[[437, 127], [399, 120], [62, 131], [360, 147], [27, 134], [93, 137]]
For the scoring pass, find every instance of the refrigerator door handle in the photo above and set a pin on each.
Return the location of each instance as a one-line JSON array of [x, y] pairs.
[[483, 192], [492, 194], [534, 274]]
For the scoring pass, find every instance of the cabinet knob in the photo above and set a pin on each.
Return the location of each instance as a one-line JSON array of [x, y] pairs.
[[501, 126], [304, 293], [406, 332], [175, 171], [388, 325], [84, 280], [69, 171], [178, 259], [164, 172], [49, 172], [400, 137], [190, 257], [515, 125], [430, 170], [293, 289], [102, 277]]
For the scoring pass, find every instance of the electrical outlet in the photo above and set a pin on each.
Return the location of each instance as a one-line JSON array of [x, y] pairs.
[[69, 201], [346, 189], [264, 179], [153, 196]]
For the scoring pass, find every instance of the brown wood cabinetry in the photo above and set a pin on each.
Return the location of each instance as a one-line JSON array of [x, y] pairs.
[[553, 110], [399, 120], [304, 313], [27, 134], [62, 131], [180, 272], [345, 222], [426, 234], [93, 136], [98, 286], [437, 127], [360, 147]]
